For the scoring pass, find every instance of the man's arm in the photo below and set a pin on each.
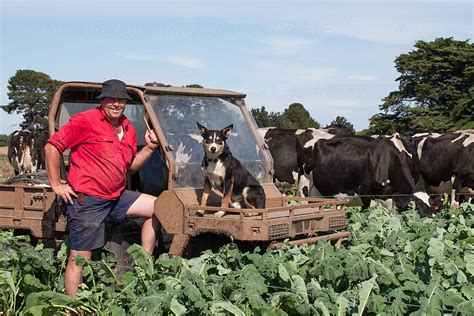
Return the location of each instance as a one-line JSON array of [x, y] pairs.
[[53, 158], [145, 153]]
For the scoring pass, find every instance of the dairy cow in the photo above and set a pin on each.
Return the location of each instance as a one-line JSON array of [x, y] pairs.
[[305, 142], [368, 167], [21, 152], [291, 150], [406, 145], [447, 163], [26, 151], [281, 143]]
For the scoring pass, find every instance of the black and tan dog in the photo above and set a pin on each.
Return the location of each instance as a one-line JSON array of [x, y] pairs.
[[223, 172]]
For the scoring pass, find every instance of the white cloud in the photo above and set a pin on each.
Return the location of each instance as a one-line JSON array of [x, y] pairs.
[[183, 61]]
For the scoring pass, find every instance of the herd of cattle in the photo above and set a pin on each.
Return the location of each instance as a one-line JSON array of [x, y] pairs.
[[335, 162], [397, 169]]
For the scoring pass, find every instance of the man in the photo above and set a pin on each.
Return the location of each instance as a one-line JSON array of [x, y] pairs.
[[103, 149]]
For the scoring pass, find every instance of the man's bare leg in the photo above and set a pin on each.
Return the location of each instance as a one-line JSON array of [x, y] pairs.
[[150, 229], [144, 207], [73, 274]]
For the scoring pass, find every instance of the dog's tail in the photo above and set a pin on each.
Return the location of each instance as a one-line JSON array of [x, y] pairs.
[[254, 197]]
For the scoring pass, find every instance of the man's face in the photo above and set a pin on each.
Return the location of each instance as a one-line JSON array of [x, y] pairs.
[[113, 108]]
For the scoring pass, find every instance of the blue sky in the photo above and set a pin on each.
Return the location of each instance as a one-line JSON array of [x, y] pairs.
[[334, 57]]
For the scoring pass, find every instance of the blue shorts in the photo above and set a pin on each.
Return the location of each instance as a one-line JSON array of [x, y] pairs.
[[87, 221]]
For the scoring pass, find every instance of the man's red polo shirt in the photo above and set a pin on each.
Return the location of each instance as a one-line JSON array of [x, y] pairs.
[[99, 161]]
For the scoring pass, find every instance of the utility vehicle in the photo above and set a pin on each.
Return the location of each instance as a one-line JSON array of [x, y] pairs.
[[173, 174]]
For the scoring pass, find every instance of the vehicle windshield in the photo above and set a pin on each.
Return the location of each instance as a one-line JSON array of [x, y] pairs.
[[177, 116]]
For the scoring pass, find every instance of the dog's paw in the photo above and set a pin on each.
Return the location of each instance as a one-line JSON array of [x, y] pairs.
[[199, 213], [219, 214], [251, 213]]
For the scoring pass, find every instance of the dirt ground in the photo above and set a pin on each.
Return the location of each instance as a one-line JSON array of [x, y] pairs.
[[6, 169]]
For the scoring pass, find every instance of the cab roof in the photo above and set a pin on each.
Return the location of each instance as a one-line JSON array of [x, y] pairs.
[[175, 90]]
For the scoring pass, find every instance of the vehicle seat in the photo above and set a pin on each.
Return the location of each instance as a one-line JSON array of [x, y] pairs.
[[152, 178]]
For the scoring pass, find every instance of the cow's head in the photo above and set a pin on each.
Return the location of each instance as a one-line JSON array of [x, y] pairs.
[[424, 204]]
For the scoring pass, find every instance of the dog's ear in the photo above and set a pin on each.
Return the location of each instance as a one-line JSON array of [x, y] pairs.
[[227, 130], [202, 129]]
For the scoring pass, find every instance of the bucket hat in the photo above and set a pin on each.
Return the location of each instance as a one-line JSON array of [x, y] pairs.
[[114, 88]]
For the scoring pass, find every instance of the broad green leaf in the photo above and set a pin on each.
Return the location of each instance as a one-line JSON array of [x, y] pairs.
[[275, 300], [116, 310], [450, 268], [147, 305], [465, 308], [431, 304], [385, 252], [108, 271], [453, 298], [223, 271], [436, 248], [37, 310], [8, 278], [217, 307], [321, 307], [271, 311], [34, 282], [283, 273], [356, 226], [141, 259], [469, 259], [299, 287], [342, 305], [394, 224], [468, 291], [362, 248], [176, 307], [191, 291], [172, 282], [364, 294], [461, 277]]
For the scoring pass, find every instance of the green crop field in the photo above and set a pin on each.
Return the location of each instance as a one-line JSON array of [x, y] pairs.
[[392, 264]]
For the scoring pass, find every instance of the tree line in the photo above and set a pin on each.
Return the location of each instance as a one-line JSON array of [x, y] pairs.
[[435, 94]]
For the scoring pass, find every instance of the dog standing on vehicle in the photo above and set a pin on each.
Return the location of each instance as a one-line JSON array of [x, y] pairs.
[[223, 172]]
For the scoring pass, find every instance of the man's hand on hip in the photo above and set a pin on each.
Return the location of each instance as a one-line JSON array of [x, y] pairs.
[[65, 192]]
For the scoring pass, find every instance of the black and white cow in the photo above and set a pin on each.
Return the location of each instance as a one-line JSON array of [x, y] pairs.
[[368, 167], [305, 142], [291, 150], [21, 152], [26, 151], [407, 147], [447, 163], [281, 143]]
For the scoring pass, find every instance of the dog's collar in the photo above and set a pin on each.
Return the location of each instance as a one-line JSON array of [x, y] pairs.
[[214, 160]]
